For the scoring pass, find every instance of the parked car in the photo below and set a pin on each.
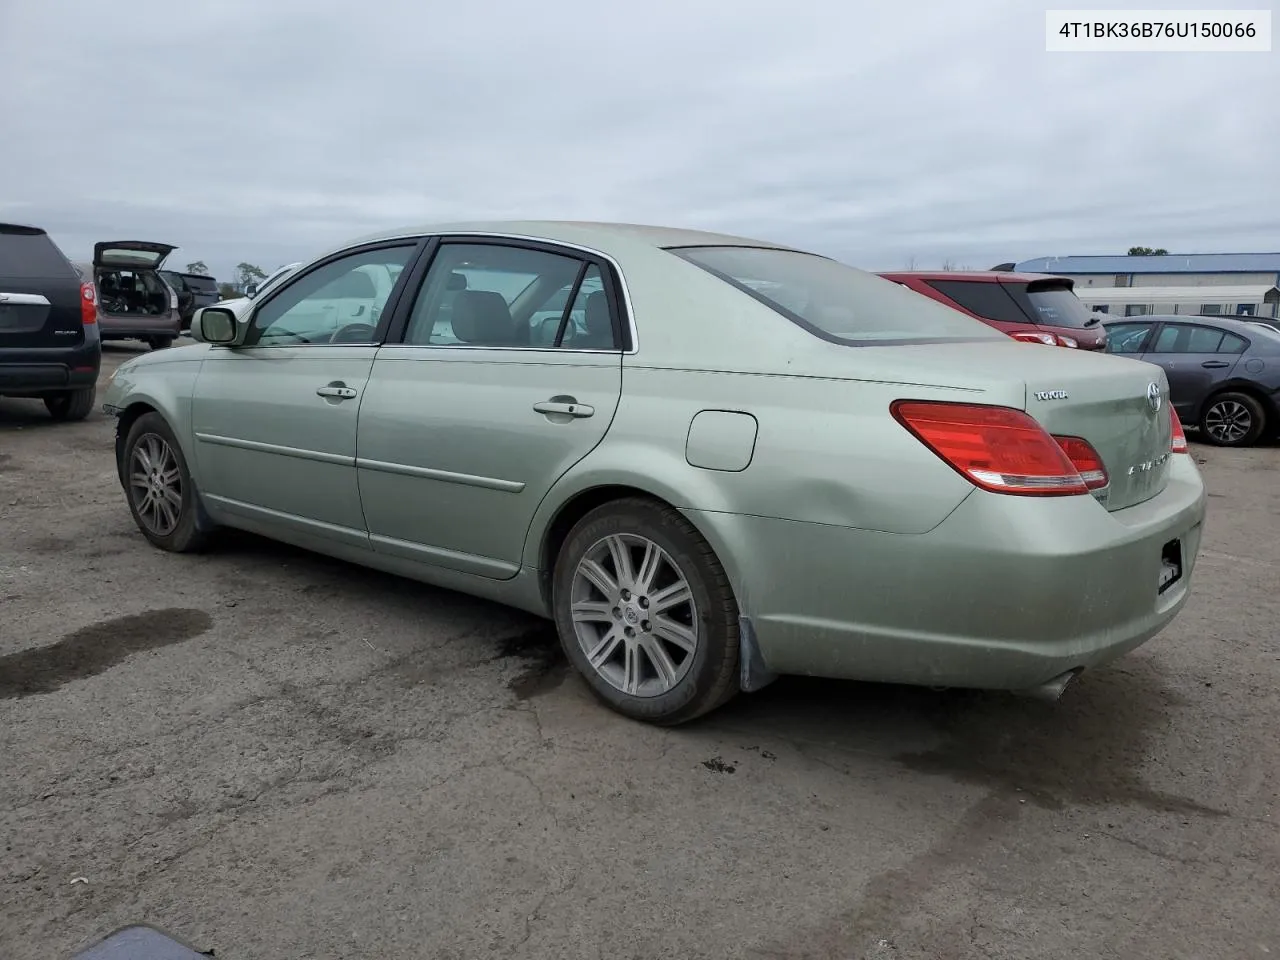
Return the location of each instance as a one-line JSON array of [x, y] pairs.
[[1033, 308], [1224, 374], [49, 346], [134, 300], [195, 290], [239, 304], [750, 461]]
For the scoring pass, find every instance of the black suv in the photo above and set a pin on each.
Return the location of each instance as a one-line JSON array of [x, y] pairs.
[[49, 342], [195, 290]]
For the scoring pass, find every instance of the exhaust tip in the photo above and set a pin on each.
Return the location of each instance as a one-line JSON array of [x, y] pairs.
[[1051, 690]]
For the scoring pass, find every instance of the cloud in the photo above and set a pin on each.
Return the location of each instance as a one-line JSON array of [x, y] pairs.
[[874, 133]]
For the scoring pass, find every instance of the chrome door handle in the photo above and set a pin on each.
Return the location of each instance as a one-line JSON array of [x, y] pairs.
[[567, 407], [339, 391]]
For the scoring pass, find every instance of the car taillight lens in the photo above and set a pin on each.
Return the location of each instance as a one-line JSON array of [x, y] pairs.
[[1178, 443], [1026, 336], [88, 303], [1068, 341], [997, 448], [1086, 461]]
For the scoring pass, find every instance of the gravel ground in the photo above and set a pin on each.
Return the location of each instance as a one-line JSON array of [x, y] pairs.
[[274, 755]]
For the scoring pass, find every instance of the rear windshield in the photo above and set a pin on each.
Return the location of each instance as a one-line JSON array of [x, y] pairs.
[[835, 301], [203, 284], [25, 252], [1056, 305]]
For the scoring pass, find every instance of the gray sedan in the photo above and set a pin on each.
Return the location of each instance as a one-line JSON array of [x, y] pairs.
[[1224, 374]]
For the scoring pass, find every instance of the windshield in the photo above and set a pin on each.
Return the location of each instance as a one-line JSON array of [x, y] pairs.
[[1058, 306], [835, 301]]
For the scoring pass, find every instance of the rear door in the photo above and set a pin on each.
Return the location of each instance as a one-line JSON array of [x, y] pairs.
[[1196, 358], [482, 405], [39, 292]]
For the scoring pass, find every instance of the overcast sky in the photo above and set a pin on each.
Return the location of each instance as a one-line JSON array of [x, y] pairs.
[[876, 132]]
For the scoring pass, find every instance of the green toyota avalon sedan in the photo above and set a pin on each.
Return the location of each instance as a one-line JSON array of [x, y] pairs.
[[709, 460]]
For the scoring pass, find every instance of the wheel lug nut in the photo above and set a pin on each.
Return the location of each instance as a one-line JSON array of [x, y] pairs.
[[630, 632], [644, 601], [626, 594], [646, 626], [617, 614]]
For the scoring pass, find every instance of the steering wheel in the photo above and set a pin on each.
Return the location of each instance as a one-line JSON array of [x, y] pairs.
[[365, 332]]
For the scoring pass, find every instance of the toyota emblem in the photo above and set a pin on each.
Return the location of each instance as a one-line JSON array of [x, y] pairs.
[[1153, 396]]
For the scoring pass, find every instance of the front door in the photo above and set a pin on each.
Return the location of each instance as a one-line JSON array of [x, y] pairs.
[[275, 419], [507, 373]]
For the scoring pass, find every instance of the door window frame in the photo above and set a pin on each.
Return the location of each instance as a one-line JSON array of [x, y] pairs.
[[390, 310], [621, 314]]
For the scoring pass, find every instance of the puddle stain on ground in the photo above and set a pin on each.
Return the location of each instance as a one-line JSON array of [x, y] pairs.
[[1085, 750], [546, 668], [96, 648]]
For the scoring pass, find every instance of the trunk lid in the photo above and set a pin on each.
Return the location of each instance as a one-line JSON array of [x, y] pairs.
[[130, 253], [39, 291], [1104, 399]]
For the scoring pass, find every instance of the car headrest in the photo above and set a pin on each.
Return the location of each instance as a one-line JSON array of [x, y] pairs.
[[457, 281], [482, 317]]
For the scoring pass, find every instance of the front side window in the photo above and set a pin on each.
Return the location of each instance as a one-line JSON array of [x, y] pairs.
[[494, 295], [1127, 337], [834, 301], [340, 302]]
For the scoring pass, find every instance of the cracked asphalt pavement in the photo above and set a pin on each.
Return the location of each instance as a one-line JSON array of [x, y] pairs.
[[270, 754]]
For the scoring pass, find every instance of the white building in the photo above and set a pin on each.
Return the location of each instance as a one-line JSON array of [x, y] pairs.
[[1239, 284]]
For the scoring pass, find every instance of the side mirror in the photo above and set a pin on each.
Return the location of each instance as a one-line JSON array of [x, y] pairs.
[[214, 325], [251, 290]]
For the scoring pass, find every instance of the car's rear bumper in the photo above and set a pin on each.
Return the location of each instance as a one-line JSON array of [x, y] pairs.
[[37, 372], [135, 328], [1006, 593]]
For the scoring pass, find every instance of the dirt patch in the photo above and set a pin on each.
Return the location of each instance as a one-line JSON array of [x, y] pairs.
[[539, 647], [1087, 749], [95, 648]]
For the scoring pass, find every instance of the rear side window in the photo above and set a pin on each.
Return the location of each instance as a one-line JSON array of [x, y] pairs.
[[834, 301], [989, 300], [28, 252]]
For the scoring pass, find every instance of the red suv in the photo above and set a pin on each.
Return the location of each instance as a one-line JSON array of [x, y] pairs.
[[1032, 307]]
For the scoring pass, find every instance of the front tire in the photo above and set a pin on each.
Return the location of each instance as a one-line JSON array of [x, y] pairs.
[[160, 343], [71, 404], [1233, 420], [645, 612], [158, 485]]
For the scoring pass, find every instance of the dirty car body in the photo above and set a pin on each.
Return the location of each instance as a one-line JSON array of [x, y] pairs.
[[710, 460]]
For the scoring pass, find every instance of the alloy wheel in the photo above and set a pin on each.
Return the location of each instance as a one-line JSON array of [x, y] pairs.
[[1228, 421], [634, 615], [155, 484]]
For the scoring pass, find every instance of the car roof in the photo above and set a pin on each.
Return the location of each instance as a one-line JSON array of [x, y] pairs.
[[1234, 324], [972, 276], [604, 237]]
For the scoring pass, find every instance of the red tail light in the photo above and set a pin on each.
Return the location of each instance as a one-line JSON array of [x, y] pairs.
[[996, 448], [1086, 461], [88, 303], [1178, 443], [1026, 336]]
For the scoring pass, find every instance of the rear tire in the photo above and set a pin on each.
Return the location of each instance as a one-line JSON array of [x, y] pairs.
[[71, 404], [160, 343], [158, 486], [1233, 420], [645, 612]]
